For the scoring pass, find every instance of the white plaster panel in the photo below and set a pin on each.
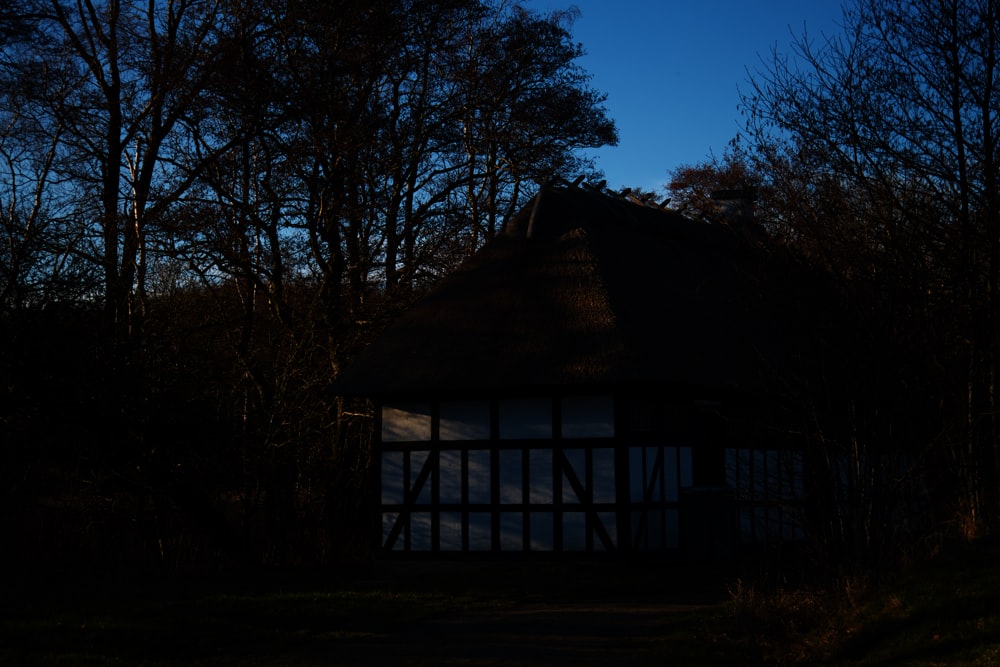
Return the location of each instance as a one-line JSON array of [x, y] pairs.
[[392, 478], [450, 484], [420, 531], [540, 476], [451, 531], [417, 461], [511, 474], [577, 459], [479, 531], [464, 420], [588, 417], [604, 476], [541, 531], [511, 531], [525, 418], [479, 476], [610, 522], [408, 422], [574, 531], [388, 521]]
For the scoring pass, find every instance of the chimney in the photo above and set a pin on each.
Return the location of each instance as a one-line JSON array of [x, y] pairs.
[[735, 206]]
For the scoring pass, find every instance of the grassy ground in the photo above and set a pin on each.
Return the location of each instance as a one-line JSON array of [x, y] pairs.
[[946, 613]]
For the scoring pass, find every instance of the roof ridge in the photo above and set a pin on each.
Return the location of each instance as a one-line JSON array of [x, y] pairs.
[[601, 187]]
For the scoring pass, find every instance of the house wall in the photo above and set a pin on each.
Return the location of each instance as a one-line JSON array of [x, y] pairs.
[[770, 492], [570, 474], [508, 475]]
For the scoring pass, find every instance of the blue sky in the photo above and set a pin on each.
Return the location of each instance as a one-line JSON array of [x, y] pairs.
[[673, 71]]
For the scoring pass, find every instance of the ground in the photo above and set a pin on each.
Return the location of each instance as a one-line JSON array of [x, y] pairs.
[[405, 613], [570, 634]]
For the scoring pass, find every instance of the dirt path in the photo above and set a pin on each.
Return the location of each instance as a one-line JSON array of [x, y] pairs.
[[576, 634]]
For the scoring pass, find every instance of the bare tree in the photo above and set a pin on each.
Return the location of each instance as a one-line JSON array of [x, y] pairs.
[[699, 190], [887, 135], [121, 79], [243, 191]]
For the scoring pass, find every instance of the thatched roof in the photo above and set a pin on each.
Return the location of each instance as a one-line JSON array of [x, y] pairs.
[[583, 288]]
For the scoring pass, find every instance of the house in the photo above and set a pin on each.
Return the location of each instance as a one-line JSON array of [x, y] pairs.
[[604, 376]]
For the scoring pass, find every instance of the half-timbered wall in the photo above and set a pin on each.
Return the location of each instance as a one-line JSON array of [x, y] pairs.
[[525, 474], [507, 475], [571, 474], [657, 473], [770, 491]]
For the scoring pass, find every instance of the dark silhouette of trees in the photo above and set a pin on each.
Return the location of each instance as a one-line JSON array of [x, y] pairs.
[[704, 191], [216, 201], [878, 149], [108, 88]]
